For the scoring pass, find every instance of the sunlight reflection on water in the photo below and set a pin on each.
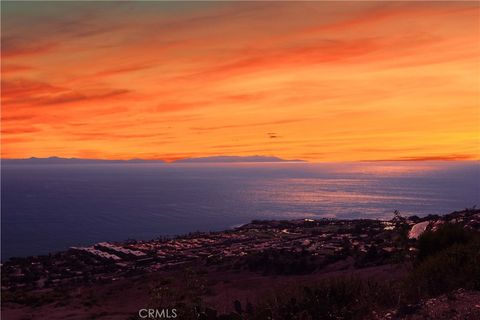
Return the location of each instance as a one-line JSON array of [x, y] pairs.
[[47, 208]]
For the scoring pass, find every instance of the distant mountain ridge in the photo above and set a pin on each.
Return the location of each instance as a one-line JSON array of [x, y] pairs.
[[214, 159], [219, 159], [58, 160]]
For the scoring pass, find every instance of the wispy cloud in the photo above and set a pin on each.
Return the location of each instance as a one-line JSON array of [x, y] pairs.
[[446, 157], [319, 80]]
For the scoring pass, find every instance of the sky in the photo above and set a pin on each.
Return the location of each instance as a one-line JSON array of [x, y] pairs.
[[319, 81]]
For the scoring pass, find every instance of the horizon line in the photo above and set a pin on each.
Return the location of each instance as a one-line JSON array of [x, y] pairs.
[[403, 159]]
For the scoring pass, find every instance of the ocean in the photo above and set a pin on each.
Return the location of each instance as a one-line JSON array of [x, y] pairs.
[[47, 208]]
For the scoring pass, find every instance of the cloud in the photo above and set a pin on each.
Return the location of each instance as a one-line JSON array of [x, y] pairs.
[[445, 157], [20, 130], [247, 125], [36, 93], [15, 46], [341, 80], [110, 136], [123, 69], [323, 51], [15, 68], [13, 140], [21, 117], [177, 106], [16, 88], [82, 96]]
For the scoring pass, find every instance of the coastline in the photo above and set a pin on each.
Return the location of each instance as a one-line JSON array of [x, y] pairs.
[[50, 210], [262, 223], [274, 253]]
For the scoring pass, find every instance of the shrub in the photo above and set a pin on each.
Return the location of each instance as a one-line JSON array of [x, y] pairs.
[[457, 266], [272, 261], [449, 258], [341, 298], [432, 242]]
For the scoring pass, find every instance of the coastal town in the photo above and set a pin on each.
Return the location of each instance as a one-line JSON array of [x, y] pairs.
[[317, 243]]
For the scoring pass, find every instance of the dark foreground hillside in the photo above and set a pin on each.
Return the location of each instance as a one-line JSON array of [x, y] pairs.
[[405, 268]]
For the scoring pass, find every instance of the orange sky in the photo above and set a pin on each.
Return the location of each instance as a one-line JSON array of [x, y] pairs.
[[320, 81]]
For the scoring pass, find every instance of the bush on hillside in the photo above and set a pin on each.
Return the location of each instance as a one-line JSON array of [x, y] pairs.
[[341, 298], [457, 266], [432, 242]]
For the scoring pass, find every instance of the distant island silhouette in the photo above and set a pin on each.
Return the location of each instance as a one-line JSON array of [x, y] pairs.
[[59, 160], [219, 159], [213, 159]]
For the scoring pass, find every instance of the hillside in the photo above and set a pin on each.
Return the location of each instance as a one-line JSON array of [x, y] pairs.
[[346, 269]]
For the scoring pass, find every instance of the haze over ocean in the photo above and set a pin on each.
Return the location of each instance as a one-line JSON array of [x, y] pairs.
[[46, 208]]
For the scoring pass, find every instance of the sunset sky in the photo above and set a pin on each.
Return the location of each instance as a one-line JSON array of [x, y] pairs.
[[320, 81]]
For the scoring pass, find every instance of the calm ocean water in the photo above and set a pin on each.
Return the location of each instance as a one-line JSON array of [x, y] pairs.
[[48, 208]]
